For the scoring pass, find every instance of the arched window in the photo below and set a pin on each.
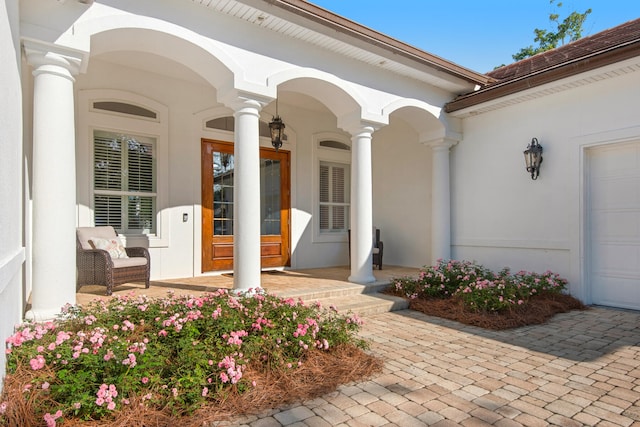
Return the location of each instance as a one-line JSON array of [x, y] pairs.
[[228, 123], [337, 145], [124, 108]]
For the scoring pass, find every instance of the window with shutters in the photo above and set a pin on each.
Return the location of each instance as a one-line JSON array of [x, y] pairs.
[[334, 197], [124, 182], [332, 186]]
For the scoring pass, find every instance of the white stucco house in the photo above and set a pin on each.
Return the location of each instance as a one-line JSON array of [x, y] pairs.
[[152, 116]]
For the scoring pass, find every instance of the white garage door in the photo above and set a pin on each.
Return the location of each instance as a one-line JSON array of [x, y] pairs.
[[614, 219]]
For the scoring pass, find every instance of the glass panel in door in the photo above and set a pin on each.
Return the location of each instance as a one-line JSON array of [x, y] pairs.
[[218, 206], [223, 175], [270, 197]]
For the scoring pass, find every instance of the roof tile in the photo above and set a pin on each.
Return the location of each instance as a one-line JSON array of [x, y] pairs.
[[580, 49]]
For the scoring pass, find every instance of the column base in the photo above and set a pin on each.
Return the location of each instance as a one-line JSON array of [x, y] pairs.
[[364, 279], [42, 315], [247, 291]]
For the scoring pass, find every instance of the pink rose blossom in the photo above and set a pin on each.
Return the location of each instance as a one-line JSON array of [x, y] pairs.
[[51, 419], [37, 363]]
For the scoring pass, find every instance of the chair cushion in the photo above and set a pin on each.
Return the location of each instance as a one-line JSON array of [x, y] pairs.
[[86, 233], [113, 246], [376, 250], [129, 262]]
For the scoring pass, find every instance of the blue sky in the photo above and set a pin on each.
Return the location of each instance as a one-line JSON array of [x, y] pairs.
[[477, 34]]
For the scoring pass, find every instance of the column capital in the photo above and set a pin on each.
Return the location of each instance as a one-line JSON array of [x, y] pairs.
[[239, 100], [441, 143], [54, 59], [359, 126]]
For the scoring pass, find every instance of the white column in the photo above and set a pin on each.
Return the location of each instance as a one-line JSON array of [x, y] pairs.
[[440, 201], [246, 195], [361, 207], [54, 184]]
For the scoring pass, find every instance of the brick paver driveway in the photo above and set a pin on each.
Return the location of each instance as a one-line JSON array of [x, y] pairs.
[[581, 368]]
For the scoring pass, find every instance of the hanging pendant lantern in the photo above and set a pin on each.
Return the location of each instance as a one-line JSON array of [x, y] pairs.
[[276, 126]]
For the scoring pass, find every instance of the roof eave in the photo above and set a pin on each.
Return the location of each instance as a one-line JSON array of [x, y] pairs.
[[579, 65], [352, 29]]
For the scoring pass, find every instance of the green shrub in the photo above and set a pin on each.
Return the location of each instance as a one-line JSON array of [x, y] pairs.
[[478, 287], [178, 352]]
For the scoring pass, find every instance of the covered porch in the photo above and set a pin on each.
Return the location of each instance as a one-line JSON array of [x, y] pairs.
[[330, 286], [158, 127]]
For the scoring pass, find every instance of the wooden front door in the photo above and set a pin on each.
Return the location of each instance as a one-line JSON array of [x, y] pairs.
[[217, 206]]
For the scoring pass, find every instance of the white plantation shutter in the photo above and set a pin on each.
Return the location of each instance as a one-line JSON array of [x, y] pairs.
[[324, 197], [124, 182], [108, 211], [324, 183], [141, 211], [338, 196], [140, 166], [339, 218], [337, 184], [107, 158], [334, 197]]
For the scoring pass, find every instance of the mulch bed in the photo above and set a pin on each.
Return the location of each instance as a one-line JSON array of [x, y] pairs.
[[537, 310], [321, 372]]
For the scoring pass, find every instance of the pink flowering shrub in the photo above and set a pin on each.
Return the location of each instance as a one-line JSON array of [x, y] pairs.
[[177, 352], [478, 287]]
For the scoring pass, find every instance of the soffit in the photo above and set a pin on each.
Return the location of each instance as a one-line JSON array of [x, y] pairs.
[[372, 51]]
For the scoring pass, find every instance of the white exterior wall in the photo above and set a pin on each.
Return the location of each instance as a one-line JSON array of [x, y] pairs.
[[500, 217], [402, 195], [12, 253]]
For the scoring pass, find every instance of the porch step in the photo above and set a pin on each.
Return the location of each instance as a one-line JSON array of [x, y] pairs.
[[347, 297], [364, 304], [331, 290]]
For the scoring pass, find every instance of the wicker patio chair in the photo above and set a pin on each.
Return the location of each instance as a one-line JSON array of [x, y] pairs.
[[99, 267]]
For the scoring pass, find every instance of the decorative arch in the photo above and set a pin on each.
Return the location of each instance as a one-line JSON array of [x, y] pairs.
[[136, 33], [421, 116], [336, 94], [409, 102]]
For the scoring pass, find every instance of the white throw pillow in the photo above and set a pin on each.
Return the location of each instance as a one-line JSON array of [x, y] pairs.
[[113, 246]]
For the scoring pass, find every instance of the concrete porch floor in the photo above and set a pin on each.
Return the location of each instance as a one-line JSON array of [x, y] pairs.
[[308, 284]]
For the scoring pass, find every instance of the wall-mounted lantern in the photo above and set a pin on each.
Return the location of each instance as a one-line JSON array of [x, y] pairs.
[[533, 158], [277, 129]]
